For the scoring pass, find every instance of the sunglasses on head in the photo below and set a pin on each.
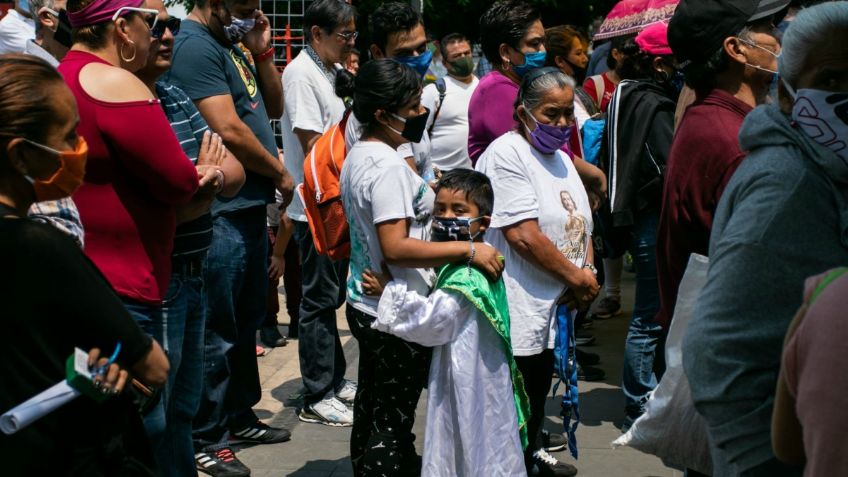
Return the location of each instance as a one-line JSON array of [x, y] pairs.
[[149, 14], [171, 23]]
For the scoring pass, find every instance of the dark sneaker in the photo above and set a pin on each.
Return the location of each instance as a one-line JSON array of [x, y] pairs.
[[607, 308], [553, 442], [270, 336], [260, 433], [220, 463], [588, 373], [583, 338], [627, 424], [587, 359], [546, 465]]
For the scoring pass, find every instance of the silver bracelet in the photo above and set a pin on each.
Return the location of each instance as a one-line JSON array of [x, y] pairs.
[[473, 253]]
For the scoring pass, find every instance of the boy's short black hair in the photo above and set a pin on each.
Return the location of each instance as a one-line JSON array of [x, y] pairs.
[[389, 18], [477, 187]]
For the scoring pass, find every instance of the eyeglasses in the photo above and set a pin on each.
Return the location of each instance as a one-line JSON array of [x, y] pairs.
[[351, 36], [172, 23], [151, 17], [755, 45]]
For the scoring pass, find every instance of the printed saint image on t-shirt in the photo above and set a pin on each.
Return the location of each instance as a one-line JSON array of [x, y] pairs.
[[576, 229]]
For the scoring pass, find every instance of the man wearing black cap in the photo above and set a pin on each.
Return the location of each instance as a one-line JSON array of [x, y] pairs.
[[729, 52], [728, 49]]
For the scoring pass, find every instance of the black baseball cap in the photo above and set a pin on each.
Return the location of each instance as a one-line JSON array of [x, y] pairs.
[[699, 27]]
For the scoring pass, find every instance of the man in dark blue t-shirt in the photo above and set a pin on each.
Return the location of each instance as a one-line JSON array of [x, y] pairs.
[[236, 100]]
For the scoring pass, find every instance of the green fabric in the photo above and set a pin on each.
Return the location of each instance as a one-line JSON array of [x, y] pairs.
[[827, 280], [490, 299]]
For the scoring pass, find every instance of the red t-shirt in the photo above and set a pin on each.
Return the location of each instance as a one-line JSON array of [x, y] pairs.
[[703, 157], [135, 175], [609, 87]]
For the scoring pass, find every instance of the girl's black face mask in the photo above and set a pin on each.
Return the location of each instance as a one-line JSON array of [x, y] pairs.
[[414, 127]]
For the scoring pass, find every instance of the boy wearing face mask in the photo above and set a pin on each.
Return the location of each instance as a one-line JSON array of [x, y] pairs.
[[448, 124], [477, 408]]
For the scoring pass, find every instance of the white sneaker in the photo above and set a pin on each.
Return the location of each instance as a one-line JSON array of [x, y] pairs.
[[348, 392], [330, 412]]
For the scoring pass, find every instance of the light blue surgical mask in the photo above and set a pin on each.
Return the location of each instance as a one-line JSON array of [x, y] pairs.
[[420, 63], [531, 61]]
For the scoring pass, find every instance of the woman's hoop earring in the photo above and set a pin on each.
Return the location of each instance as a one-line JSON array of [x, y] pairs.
[[663, 76], [124, 58]]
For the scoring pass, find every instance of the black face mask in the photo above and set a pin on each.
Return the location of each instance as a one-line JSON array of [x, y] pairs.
[[414, 127], [63, 31], [454, 229], [579, 73]]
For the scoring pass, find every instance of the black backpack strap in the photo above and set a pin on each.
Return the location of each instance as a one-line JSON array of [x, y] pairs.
[[442, 88]]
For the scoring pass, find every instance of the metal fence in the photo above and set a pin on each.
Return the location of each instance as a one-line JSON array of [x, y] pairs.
[[286, 18]]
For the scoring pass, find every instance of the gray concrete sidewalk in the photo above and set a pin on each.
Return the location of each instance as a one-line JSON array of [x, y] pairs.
[[320, 451]]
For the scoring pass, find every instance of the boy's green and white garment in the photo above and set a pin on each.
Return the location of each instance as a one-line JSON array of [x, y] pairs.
[[477, 410]]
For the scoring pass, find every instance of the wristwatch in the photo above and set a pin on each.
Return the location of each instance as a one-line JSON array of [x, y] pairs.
[[591, 268]]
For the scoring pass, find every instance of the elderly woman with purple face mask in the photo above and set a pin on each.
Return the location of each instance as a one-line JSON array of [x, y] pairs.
[[533, 225]]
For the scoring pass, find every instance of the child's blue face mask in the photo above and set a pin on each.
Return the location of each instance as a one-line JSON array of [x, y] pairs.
[[453, 229]]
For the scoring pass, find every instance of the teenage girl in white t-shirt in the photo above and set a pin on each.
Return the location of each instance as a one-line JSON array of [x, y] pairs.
[[388, 208]]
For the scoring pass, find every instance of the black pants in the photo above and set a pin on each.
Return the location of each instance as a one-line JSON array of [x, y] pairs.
[[322, 361], [392, 373], [538, 373]]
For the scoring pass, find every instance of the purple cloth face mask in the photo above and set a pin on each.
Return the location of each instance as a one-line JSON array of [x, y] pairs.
[[548, 139]]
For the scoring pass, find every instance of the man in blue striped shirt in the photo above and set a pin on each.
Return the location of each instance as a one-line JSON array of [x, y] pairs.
[[184, 309]]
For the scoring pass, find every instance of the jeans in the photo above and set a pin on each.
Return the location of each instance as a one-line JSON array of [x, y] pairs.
[[644, 360], [322, 361], [183, 323], [237, 287], [392, 374], [149, 319]]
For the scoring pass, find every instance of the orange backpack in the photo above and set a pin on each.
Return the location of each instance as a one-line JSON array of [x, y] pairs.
[[321, 194]]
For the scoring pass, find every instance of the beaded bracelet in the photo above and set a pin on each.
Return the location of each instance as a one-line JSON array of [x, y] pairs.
[[471, 257]]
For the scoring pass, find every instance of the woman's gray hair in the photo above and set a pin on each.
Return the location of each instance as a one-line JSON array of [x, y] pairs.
[[806, 32], [538, 82]]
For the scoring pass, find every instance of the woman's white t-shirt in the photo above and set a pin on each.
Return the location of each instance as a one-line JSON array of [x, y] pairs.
[[546, 187], [378, 186]]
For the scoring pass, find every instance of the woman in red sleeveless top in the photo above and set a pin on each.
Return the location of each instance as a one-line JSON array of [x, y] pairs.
[[137, 172]]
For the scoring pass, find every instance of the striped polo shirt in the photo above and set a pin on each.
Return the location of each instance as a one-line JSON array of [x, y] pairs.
[[194, 237]]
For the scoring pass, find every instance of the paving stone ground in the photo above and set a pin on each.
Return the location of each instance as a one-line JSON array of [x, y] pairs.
[[321, 451]]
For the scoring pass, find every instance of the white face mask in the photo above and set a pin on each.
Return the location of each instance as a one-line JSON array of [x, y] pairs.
[[823, 116], [757, 67], [238, 28]]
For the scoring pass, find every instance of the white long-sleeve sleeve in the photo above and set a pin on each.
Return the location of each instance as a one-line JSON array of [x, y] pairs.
[[429, 321]]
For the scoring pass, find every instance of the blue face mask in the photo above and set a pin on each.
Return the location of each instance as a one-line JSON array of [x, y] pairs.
[[420, 63], [531, 62], [24, 5]]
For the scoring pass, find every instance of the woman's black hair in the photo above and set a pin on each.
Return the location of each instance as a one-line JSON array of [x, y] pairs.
[[616, 43], [327, 15], [476, 186], [345, 82], [383, 84], [637, 64], [507, 21]]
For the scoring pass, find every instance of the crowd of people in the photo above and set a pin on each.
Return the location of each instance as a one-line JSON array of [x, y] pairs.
[[141, 178]]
